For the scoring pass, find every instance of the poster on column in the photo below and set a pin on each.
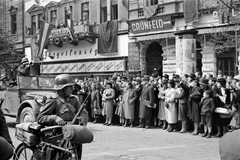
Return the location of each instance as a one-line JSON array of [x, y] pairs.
[[65, 67], [109, 66], [189, 67], [99, 66], [90, 66], [81, 67], [189, 50], [73, 67], [58, 68], [119, 65], [133, 57], [179, 56]]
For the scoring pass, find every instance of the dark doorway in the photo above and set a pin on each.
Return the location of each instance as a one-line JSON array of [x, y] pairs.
[[154, 59]]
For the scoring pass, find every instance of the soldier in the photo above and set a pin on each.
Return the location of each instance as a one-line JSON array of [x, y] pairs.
[[24, 68], [62, 108]]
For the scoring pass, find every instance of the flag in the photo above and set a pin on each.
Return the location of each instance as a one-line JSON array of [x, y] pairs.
[[45, 29], [190, 10]]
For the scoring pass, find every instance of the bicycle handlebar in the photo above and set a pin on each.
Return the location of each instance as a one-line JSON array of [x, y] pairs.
[[49, 128]]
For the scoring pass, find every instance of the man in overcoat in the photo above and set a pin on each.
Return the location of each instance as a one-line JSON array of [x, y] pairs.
[[145, 112], [138, 89]]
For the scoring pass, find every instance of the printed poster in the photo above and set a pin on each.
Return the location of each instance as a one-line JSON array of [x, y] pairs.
[[81, 67], [109, 66], [99, 66], [90, 66], [119, 65], [57, 68], [73, 67], [65, 67]]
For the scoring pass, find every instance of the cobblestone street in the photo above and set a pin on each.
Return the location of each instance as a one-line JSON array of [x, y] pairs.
[[112, 143]]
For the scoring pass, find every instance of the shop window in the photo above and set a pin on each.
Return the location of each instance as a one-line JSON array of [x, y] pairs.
[[13, 23], [68, 13], [103, 11], [226, 65], [140, 13], [85, 11], [34, 25], [39, 20], [160, 10], [53, 15], [114, 10]]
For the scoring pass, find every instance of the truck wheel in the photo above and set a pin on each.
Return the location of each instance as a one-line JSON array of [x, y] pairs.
[[27, 115]]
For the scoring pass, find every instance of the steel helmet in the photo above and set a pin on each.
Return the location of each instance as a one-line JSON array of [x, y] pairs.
[[62, 81], [25, 59]]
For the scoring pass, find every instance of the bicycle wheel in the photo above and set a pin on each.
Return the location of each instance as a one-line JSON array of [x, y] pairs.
[[24, 152]]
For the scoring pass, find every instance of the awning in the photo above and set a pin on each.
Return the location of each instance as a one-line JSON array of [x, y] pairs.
[[155, 36]]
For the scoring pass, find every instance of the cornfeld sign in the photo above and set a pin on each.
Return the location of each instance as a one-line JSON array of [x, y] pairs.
[[154, 24]]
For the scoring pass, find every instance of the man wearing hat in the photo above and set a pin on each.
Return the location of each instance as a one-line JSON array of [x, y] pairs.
[[117, 91], [24, 68], [147, 95], [204, 84]]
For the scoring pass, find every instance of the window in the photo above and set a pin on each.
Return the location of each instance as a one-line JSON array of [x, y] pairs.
[[85, 11], [160, 10], [14, 24], [39, 20], [53, 18], [140, 13], [68, 13], [34, 25], [153, 2], [103, 11], [114, 10]]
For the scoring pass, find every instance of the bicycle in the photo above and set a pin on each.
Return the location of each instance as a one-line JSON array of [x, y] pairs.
[[49, 143], [44, 143]]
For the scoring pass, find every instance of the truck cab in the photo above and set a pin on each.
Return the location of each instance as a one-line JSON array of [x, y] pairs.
[[24, 100]]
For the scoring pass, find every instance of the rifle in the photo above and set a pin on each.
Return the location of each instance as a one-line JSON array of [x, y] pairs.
[[80, 109]]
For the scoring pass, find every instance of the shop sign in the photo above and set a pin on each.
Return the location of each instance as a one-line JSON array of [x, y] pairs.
[[65, 67], [90, 67], [99, 66], [109, 66], [154, 24], [133, 57], [119, 65], [81, 67], [57, 68], [73, 67]]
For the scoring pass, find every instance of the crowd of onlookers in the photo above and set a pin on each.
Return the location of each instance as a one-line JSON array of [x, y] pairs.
[[179, 103]]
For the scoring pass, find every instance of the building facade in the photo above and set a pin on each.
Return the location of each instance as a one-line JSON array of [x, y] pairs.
[[167, 44], [73, 42]]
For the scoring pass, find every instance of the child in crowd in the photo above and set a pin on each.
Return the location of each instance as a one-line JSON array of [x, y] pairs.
[[119, 110], [207, 108]]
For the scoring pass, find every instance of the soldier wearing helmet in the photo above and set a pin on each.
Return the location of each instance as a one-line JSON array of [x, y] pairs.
[[24, 68], [64, 106]]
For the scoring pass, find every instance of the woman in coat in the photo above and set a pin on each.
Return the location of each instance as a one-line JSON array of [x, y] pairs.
[[138, 88], [170, 106], [195, 95], [161, 95], [95, 100], [129, 108], [109, 104], [182, 96]]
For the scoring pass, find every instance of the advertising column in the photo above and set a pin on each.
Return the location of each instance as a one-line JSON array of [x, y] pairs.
[[185, 51]]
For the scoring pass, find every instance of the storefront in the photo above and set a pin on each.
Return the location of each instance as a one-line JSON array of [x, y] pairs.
[[83, 59]]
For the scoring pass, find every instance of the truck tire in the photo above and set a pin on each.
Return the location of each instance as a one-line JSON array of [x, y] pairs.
[[27, 115]]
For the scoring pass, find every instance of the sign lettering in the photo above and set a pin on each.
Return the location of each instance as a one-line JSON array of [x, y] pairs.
[[155, 24]]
